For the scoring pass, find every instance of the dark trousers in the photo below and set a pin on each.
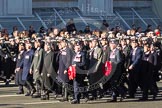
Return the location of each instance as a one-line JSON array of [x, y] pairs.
[[18, 81], [29, 83], [76, 92], [65, 90], [39, 84], [133, 83], [7, 68]]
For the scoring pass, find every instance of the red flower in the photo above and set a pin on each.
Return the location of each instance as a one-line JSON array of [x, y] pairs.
[[107, 68], [72, 72], [157, 33]]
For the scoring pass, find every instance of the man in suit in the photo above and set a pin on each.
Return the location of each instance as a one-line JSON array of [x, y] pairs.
[[3, 57], [13, 51], [106, 49], [95, 65], [154, 87], [26, 76], [36, 67], [116, 59], [6, 61], [48, 72], [134, 67], [125, 50], [149, 60], [79, 61], [146, 74], [65, 61], [18, 71], [106, 52]]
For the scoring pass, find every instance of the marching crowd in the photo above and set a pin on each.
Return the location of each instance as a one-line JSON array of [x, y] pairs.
[[42, 61]]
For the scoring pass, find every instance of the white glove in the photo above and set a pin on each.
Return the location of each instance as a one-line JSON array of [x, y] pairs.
[[14, 59], [6, 56]]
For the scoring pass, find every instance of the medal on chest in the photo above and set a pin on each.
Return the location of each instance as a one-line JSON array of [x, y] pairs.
[[77, 58], [112, 55], [27, 57]]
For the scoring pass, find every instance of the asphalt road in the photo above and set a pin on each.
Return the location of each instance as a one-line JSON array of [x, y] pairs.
[[9, 99]]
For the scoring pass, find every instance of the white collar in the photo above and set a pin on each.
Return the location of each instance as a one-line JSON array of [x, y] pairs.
[[38, 48], [114, 50], [48, 51]]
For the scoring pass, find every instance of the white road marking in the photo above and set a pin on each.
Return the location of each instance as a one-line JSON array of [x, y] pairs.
[[2, 88], [35, 103], [1, 96]]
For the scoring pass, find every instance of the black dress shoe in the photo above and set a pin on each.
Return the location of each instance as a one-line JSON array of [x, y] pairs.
[[45, 97], [27, 94], [54, 95], [63, 100], [129, 97], [100, 96], [32, 92], [75, 102], [7, 83], [19, 93], [86, 100], [143, 99], [36, 96], [121, 99], [114, 100], [154, 96], [93, 98]]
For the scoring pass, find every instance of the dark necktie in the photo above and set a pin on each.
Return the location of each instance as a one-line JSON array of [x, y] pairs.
[[92, 53]]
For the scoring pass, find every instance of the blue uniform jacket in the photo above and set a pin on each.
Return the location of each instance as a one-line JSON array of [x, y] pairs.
[[27, 61]]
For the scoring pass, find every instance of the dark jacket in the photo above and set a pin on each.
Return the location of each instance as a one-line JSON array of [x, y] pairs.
[[48, 68], [28, 57], [37, 63], [135, 59], [65, 61]]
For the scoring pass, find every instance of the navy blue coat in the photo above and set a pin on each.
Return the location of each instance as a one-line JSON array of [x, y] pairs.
[[79, 61], [19, 62], [27, 61], [65, 61], [115, 56], [116, 59], [135, 59]]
